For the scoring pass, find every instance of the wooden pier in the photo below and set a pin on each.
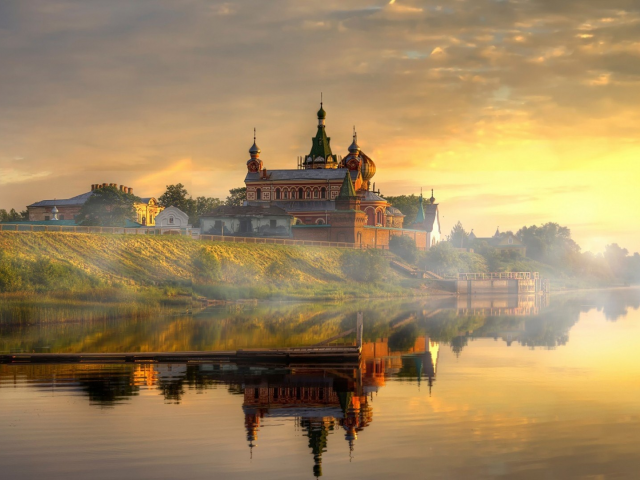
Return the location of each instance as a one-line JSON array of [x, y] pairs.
[[272, 356]]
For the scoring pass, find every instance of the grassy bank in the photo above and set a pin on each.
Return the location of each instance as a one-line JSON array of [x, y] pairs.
[[91, 266]]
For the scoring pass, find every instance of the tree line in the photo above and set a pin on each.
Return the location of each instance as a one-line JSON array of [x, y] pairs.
[[550, 249]]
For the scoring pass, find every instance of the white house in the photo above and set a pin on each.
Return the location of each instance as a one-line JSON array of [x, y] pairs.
[[172, 217]]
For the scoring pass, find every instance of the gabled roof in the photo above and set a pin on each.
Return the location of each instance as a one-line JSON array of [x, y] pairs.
[[78, 200], [63, 202], [305, 174]]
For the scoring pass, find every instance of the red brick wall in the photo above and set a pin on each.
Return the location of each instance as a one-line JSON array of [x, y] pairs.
[[317, 234]]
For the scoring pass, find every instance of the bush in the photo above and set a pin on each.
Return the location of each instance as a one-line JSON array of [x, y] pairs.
[[207, 265], [364, 266], [404, 247]]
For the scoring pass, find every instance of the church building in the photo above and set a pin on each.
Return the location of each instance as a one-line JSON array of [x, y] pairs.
[[328, 190]]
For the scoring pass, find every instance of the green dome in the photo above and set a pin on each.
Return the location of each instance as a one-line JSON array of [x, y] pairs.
[[322, 113]]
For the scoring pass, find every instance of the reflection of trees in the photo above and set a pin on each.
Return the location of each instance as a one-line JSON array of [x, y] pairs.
[[404, 338], [107, 387]]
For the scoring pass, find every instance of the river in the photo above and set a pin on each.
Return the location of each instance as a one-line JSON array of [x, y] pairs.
[[449, 388]]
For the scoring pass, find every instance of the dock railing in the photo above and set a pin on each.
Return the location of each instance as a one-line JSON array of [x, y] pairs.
[[499, 276]]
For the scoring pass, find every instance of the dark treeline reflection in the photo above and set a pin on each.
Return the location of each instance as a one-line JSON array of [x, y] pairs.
[[532, 321]]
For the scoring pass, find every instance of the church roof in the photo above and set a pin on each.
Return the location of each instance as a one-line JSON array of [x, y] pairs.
[[347, 190], [372, 197], [304, 174], [394, 211], [420, 215]]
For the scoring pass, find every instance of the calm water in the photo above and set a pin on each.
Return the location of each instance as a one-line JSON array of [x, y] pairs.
[[511, 388]]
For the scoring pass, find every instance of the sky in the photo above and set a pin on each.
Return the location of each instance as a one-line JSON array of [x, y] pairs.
[[515, 112]]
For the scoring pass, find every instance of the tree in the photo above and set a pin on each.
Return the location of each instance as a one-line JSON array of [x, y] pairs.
[[178, 196], [206, 204], [13, 216], [551, 244], [236, 197], [408, 205], [108, 207], [459, 237], [404, 247]]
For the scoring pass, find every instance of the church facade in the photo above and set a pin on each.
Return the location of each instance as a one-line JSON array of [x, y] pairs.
[[333, 198]]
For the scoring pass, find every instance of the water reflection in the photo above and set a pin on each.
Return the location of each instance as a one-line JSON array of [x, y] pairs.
[[443, 374], [533, 321]]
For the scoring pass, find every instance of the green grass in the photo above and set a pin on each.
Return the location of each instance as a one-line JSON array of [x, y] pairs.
[[98, 266]]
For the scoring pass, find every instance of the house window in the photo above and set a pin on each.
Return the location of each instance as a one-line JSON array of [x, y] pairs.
[[300, 193], [308, 195], [278, 194], [217, 227], [273, 223], [320, 221], [379, 217], [286, 194], [60, 217], [315, 193], [170, 220], [323, 192], [510, 241], [46, 218], [259, 194]]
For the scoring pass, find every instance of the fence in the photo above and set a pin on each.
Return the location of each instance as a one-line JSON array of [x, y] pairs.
[[499, 276], [186, 232], [283, 241], [15, 227]]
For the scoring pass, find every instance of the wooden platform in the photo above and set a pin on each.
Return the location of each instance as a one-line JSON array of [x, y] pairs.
[[272, 356]]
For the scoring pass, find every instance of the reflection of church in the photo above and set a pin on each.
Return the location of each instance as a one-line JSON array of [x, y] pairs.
[[320, 403]]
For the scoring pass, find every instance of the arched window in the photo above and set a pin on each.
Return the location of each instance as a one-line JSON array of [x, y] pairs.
[[323, 192], [320, 221], [278, 194], [371, 216], [308, 193], [300, 193], [379, 217], [315, 193], [259, 194], [359, 238]]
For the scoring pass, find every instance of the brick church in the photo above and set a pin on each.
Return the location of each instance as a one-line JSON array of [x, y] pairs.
[[332, 198]]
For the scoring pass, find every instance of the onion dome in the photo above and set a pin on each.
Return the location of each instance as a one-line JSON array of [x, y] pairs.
[[432, 199], [321, 113], [255, 149], [367, 167], [54, 209], [354, 148]]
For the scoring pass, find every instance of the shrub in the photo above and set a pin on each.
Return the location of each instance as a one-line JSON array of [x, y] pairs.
[[207, 265], [404, 247], [364, 266]]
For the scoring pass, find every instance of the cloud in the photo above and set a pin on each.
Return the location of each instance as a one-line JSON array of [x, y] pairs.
[[133, 88]]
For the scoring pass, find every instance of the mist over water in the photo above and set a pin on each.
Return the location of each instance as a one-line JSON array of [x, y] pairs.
[[484, 389]]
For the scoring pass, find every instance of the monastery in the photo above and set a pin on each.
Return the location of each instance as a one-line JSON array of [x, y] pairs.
[[326, 197]]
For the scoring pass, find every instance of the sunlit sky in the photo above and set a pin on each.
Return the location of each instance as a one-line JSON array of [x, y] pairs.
[[515, 112]]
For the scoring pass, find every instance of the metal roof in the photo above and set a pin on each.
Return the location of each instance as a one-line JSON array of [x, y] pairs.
[[306, 174]]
